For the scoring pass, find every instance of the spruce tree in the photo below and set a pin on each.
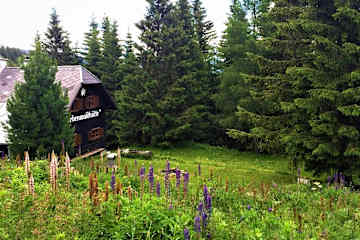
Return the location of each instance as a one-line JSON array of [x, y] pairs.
[[234, 89], [324, 106], [167, 103], [110, 73], [57, 43], [111, 53], [204, 29], [92, 54], [129, 116], [279, 46], [305, 88], [38, 117]]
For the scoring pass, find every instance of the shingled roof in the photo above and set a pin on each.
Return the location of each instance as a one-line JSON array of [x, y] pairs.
[[70, 77]]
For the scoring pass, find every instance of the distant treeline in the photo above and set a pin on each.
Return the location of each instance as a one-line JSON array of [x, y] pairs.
[[11, 53]]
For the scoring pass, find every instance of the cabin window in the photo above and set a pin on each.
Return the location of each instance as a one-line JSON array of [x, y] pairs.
[[95, 134], [77, 105], [91, 102], [77, 139]]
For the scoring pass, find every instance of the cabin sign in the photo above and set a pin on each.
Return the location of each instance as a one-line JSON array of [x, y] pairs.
[[85, 116]]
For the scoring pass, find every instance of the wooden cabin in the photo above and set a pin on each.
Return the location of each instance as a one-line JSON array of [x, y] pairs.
[[88, 101]]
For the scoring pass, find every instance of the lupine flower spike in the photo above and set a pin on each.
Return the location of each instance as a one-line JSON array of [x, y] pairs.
[[119, 157], [142, 176], [53, 171], [27, 163], [204, 218], [129, 193], [200, 207], [168, 166], [186, 234], [178, 179], [158, 189], [186, 183], [197, 227], [151, 180], [167, 184], [106, 195], [67, 170], [31, 185], [113, 182], [178, 176], [205, 193], [209, 204]]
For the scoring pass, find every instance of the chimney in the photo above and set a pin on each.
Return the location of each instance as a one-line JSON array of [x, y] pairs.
[[3, 63]]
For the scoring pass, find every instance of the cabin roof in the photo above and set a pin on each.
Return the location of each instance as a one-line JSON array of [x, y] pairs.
[[70, 77]]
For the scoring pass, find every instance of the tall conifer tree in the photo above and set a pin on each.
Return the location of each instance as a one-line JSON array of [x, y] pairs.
[[204, 29], [324, 104], [57, 43], [92, 54], [307, 82], [129, 117], [110, 74], [38, 117], [111, 56], [167, 103], [233, 89]]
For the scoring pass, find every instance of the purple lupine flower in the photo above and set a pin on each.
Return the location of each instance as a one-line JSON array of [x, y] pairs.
[[112, 182], [170, 206], [336, 178], [274, 185], [158, 189], [186, 234], [204, 218], [248, 207], [197, 226], [270, 209], [151, 177], [167, 166], [208, 204], [200, 207], [167, 184], [208, 236], [205, 192], [135, 163], [186, 178], [178, 177], [199, 169], [186, 182]]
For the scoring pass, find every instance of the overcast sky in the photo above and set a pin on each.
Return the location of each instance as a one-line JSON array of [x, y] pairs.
[[21, 19]]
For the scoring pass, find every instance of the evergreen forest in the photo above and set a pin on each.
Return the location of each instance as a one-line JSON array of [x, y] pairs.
[[283, 78]]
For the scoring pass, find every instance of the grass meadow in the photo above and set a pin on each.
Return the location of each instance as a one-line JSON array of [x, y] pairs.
[[214, 193]]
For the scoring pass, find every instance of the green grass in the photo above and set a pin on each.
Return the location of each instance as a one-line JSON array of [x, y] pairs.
[[237, 167]]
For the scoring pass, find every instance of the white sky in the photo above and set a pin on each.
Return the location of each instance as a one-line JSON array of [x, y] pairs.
[[21, 19]]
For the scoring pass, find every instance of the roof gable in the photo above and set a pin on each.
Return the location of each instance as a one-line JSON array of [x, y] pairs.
[[70, 77]]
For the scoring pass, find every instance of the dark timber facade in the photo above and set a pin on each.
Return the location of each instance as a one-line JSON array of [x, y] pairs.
[[88, 117], [88, 102]]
